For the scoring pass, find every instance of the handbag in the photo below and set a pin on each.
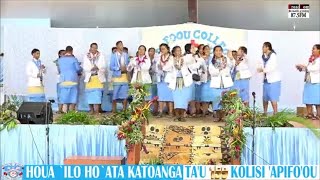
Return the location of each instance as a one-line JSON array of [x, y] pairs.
[[195, 77]]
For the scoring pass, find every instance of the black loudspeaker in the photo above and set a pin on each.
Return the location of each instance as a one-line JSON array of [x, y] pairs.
[[35, 113]]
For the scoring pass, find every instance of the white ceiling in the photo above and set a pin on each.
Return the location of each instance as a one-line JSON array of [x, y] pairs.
[[246, 14]]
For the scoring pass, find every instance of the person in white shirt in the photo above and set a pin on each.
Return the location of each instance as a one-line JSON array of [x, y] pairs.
[[206, 95], [201, 71], [164, 76], [153, 74], [221, 81], [140, 65], [235, 54], [180, 84], [241, 74], [193, 62], [272, 79], [94, 66], [35, 71], [311, 92]]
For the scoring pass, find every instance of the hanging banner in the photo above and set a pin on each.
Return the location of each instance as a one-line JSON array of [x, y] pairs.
[[229, 39]]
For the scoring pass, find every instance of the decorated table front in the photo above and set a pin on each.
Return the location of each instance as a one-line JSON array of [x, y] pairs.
[[27, 144]]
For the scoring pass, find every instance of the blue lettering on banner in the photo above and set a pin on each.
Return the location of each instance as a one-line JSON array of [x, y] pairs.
[[195, 172], [124, 172], [39, 172], [293, 171], [179, 35], [248, 172], [175, 172], [209, 37]]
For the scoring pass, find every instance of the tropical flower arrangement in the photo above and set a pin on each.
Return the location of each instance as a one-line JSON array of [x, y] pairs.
[[8, 111], [133, 130], [237, 114]]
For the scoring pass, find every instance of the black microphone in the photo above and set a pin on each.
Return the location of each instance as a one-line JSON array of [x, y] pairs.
[[52, 100], [254, 94]]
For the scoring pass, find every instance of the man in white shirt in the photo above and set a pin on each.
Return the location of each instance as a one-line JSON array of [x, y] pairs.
[[35, 71]]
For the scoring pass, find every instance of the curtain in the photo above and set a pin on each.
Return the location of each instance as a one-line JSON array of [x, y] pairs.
[[281, 146], [27, 144]]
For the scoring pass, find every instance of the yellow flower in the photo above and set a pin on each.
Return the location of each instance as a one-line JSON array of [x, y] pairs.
[[236, 131], [233, 93]]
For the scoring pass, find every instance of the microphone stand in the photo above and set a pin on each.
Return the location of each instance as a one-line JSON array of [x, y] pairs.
[[48, 115], [253, 127], [47, 134]]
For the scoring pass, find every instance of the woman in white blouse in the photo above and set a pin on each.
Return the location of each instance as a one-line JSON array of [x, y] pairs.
[[219, 70], [140, 66], [193, 62], [311, 93], [180, 84], [241, 75], [163, 70]]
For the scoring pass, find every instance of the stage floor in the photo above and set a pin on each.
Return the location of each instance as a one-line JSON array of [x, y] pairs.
[[208, 120]]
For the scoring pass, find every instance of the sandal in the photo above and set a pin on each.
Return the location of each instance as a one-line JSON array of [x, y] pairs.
[[309, 116], [182, 119], [315, 118], [159, 115], [216, 120]]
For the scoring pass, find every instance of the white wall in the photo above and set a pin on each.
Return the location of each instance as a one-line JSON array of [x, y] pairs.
[[291, 48], [17, 23], [20, 42]]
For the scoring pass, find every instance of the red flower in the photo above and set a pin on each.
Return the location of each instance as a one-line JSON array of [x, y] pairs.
[[138, 111], [238, 120], [193, 42], [311, 59], [237, 148], [129, 128], [154, 99]]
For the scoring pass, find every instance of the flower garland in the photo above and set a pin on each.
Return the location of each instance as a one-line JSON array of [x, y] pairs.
[[139, 61], [93, 57], [164, 62], [312, 59]]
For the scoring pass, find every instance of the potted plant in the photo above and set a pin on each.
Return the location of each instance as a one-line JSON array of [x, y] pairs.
[[133, 130], [77, 118]]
